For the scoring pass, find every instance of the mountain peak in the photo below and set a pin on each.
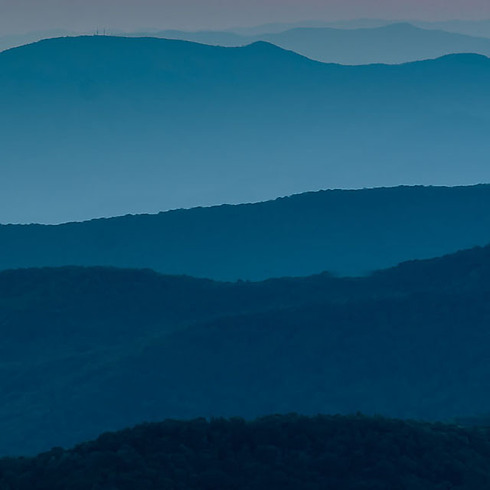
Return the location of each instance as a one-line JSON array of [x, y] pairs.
[[269, 48]]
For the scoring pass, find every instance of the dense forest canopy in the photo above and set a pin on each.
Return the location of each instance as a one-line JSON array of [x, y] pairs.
[[288, 452]]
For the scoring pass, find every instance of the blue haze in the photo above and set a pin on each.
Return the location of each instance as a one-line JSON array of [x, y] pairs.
[[102, 126], [394, 43]]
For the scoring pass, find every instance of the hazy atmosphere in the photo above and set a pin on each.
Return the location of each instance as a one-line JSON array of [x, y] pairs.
[[20, 16], [244, 245]]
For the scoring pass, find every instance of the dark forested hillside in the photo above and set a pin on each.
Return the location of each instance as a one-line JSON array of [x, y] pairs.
[[118, 125], [276, 452], [91, 349], [342, 232]]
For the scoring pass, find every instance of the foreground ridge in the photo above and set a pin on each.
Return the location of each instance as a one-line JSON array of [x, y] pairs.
[[274, 452]]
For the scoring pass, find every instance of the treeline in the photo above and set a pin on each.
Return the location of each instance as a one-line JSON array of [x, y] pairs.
[[275, 452], [343, 232]]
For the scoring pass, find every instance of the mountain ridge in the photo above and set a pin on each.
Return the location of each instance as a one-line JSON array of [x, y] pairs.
[[106, 117], [344, 232], [79, 342], [393, 43]]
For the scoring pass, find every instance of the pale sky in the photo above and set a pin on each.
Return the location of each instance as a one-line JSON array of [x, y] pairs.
[[20, 16]]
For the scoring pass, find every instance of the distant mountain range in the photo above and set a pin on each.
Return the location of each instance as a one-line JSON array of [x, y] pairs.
[[89, 350], [103, 126], [342, 232], [478, 28], [469, 28], [275, 452], [393, 43]]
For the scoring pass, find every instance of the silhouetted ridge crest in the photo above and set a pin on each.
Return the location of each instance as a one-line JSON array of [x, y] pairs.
[[396, 26], [462, 58], [343, 232], [270, 48], [86, 42], [276, 452], [466, 270]]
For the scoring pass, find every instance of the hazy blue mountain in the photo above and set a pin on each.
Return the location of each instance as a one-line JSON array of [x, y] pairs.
[[479, 28], [213, 38], [276, 27], [344, 232], [89, 350], [393, 43], [102, 126], [277, 452]]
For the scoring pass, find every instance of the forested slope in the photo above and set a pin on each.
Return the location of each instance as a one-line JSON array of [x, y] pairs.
[[275, 452], [342, 232], [91, 349]]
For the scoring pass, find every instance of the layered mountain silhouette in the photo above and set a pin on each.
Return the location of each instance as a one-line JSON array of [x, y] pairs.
[[343, 232], [274, 452], [475, 28], [393, 43], [86, 350], [468, 27], [102, 126]]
